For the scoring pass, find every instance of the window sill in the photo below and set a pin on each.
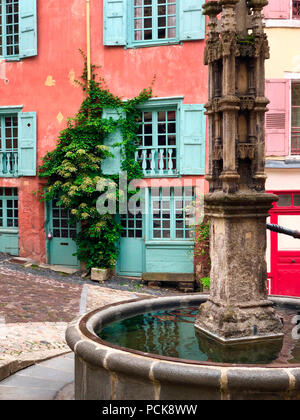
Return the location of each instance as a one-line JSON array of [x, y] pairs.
[[9, 230], [283, 164], [159, 176], [153, 44], [169, 242], [11, 59], [282, 23]]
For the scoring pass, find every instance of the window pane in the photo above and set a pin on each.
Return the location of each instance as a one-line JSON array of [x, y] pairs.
[[154, 20], [161, 116], [295, 143], [284, 201], [295, 132], [138, 36], [138, 12], [10, 16], [296, 9], [296, 94], [297, 200], [138, 24], [296, 117]]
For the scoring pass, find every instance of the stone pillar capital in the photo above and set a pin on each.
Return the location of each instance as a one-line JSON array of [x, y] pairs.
[[229, 3], [212, 8], [257, 4]]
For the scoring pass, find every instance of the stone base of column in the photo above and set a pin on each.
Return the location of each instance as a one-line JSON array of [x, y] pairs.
[[230, 324], [238, 307]]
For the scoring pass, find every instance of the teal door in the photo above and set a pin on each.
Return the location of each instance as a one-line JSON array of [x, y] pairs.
[[131, 260], [60, 236], [9, 221]]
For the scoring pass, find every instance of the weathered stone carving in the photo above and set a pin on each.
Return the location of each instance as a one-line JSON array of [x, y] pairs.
[[237, 205]]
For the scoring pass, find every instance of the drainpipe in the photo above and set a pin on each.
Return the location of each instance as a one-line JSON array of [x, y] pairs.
[[88, 39]]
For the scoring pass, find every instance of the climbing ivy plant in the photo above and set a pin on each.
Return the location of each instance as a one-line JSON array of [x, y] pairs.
[[73, 169], [202, 236]]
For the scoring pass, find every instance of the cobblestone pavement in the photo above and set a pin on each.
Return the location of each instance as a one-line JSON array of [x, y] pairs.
[[35, 309]]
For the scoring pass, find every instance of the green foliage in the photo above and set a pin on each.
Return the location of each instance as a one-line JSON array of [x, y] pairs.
[[205, 282], [202, 239], [202, 234], [249, 39], [73, 169]]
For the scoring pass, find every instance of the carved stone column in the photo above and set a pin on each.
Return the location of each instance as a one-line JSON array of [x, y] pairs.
[[237, 206]]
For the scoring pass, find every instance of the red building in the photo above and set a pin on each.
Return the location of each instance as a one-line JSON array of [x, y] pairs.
[[132, 40]]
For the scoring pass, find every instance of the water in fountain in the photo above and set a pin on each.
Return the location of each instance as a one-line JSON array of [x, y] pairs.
[[171, 333]]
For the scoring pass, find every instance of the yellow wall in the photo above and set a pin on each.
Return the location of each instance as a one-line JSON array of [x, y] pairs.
[[285, 52]]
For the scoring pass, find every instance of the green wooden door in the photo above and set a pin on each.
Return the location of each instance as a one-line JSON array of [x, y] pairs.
[[60, 237], [9, 221], [131, 260]]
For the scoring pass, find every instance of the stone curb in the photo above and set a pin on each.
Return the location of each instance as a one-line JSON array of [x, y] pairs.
[[12, 366]]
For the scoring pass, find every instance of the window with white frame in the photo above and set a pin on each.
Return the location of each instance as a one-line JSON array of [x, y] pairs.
[[9, 134], [9, 208], [17, 142], [170, 138], [170, 212], [154, 20], [157, 142], [9, 28], [18, 29], [137, 23]]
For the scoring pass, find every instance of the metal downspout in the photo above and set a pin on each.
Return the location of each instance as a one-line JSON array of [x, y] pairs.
[[88, 38]]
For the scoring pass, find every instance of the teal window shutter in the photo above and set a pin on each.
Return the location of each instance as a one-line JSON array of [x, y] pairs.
[[112, 166], [27, 144], [114, 22], [192, 140], [192, 22], [28, 28]]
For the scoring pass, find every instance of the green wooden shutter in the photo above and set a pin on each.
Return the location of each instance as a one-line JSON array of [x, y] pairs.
[[114, 22], [111, 166], [27, 144], [28, 28], [192, 140], [192, 22]]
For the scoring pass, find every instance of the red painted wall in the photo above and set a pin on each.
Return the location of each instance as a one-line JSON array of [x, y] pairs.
[[61, 33]]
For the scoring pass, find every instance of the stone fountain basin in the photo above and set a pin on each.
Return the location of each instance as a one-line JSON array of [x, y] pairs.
[[104, 371]]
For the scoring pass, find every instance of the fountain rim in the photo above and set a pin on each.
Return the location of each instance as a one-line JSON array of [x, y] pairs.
[[83, 323]]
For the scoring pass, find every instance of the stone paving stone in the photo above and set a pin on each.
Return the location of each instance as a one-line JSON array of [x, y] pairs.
[[20, 381], [70, 356], [28, 298], [101, 296], [29, 394], [61, 363], [35, 310], [40, 372], [28, 385]]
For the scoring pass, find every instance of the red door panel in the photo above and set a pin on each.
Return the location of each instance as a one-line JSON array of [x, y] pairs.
[[285, 264], [288, 280]]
